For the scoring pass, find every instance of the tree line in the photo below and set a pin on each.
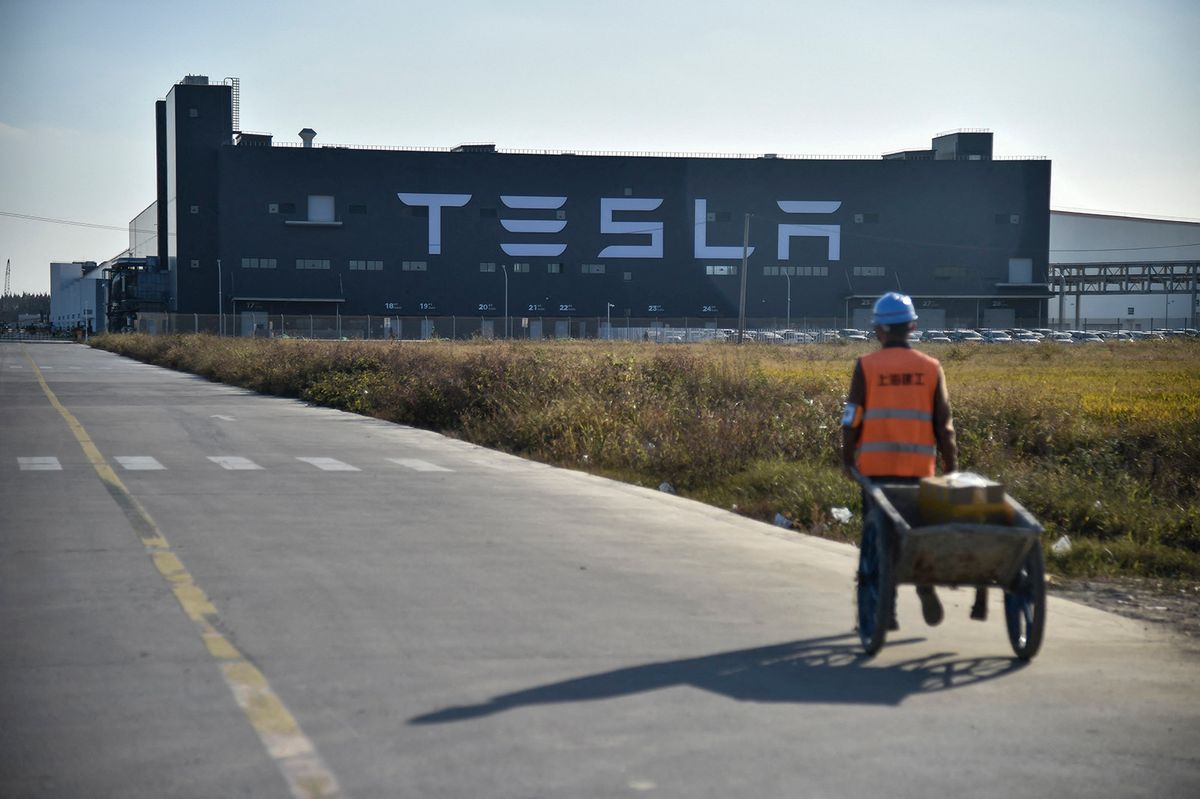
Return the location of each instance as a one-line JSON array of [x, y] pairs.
[[12, 306]]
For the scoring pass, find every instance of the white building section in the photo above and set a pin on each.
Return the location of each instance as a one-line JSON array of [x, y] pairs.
[[1145, 244], [77, 296]]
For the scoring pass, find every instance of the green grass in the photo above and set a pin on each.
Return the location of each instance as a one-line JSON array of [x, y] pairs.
[[1101, 443]]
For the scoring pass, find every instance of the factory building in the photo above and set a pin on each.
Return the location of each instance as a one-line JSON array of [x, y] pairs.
[[243, 223], [1117, 271], [78, 295]]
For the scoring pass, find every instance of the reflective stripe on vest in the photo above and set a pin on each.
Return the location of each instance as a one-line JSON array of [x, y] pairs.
[[891, 446], [898, 413], [897, 437]]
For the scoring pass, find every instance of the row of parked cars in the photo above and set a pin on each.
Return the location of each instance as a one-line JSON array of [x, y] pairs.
[[961, 335], [1045, 335], [981, 336]]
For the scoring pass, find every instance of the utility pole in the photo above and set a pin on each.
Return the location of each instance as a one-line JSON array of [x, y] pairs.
[[220, 300], [742, 300], [789, 302], [8, 277], [507, 331]]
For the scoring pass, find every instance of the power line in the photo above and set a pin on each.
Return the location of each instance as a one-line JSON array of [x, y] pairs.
[[64, 221], [1130, 249]]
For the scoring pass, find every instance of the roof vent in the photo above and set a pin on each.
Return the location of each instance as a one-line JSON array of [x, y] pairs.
[[474, 148], [195, 80], [308, 134]]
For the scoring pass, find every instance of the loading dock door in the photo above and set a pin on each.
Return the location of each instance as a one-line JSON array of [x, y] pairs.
[[1000, 317]]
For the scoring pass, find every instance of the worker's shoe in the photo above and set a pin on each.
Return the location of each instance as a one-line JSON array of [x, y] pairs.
[[893, 625], [979, 609], [931, 606]]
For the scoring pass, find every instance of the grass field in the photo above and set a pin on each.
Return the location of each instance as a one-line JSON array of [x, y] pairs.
[[1101, 442]]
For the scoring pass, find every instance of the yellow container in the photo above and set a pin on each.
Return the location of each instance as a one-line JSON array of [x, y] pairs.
[[962, 497]]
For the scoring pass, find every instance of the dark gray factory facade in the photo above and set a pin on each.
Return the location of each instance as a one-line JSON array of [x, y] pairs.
[[288, 229]]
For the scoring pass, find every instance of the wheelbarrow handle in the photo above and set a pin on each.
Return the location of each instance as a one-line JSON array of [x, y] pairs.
[[860, 478], [876, 495]]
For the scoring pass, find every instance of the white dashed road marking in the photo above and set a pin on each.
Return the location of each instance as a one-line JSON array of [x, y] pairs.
[[487, 463], [330, 465], [139, 463], [234, 463], [39, 464], [223, 417], [419, 465]]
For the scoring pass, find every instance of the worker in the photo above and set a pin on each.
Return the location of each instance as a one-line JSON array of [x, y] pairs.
[[897, 420]]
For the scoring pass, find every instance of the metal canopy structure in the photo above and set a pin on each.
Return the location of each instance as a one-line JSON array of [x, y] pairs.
[[1142, 277], [1169, 277]]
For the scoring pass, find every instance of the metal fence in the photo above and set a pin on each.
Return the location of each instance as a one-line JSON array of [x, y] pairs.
[[684, 329]]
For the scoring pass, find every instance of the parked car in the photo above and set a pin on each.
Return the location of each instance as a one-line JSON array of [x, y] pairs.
[[966, 335]]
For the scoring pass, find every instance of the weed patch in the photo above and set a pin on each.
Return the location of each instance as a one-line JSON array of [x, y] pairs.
[[1102, 444]]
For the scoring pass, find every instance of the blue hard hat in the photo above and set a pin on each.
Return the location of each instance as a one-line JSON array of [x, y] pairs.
[[894, 309]]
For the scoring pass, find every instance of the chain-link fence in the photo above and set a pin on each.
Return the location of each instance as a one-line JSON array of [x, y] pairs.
[[676, 330]]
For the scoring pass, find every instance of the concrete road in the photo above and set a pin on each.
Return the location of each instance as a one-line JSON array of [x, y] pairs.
[[219, 594]]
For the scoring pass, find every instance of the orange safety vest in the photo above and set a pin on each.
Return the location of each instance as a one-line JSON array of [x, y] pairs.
[[897, 438]]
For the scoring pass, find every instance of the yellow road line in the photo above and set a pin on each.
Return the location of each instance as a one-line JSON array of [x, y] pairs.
[[294, 754]]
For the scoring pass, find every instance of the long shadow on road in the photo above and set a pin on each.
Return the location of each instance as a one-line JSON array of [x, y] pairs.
[[830, 669]]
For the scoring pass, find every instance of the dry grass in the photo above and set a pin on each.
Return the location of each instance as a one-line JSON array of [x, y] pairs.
[[1100, 442]]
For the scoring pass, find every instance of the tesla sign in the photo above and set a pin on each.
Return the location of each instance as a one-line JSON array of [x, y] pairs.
[[651, 230]]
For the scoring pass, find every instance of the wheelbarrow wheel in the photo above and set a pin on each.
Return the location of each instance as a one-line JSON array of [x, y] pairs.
[[1025, 605], [874, 582]]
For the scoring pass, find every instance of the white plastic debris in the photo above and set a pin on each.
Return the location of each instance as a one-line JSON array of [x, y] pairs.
[[1062, 546], [842, 515], [666, 488], [783, 521], [967, 480]]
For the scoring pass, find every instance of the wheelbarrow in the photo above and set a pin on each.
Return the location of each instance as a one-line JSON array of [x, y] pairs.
[[898, 548]]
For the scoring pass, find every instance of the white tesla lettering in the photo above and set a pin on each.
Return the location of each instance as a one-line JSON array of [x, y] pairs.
[[609, 206], [702, 248], [654, 230], [537, 226], [533, 225], [435, 203], [831, 232]]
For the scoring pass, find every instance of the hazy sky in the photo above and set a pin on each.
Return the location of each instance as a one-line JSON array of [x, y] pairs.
[[1108, 89]]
